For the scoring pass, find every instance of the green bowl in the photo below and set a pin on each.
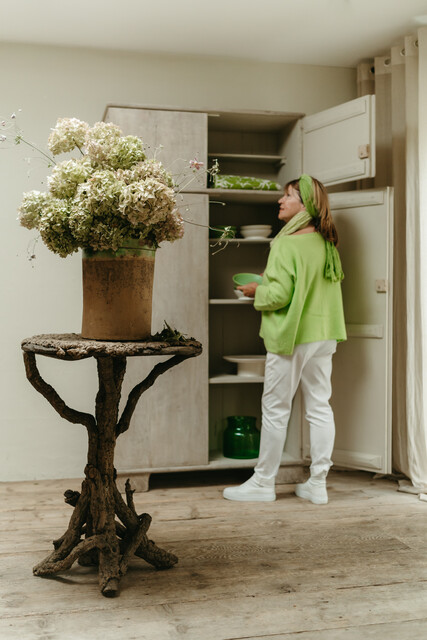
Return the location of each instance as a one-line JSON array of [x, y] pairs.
[[241, 279]]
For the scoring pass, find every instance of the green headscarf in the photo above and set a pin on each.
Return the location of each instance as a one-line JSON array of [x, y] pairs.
[[333, 269]]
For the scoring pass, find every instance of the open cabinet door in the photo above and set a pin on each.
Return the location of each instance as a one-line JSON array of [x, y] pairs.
[[338, 145], [362, 366]]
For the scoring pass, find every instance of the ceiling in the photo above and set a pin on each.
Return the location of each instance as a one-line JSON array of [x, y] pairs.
[[321, 32]]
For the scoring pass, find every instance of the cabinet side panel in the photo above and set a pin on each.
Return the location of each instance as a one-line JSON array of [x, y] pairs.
[[173, 137], [170, 425]]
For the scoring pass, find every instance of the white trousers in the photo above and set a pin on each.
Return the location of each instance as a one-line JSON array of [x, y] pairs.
[[310, 365]]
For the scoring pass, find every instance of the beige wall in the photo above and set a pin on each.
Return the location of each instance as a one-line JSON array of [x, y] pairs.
[[44, 296]]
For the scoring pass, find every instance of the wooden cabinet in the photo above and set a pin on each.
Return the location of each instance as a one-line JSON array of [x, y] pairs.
[[181, 425]]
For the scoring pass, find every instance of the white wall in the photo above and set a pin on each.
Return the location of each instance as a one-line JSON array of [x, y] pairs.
[[44, 296]]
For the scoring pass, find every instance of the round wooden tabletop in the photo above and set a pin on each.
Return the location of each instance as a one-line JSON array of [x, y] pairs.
[[72, 346]]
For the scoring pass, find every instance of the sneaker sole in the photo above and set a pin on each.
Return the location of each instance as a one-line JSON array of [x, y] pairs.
[[248, 498], [307, 496]]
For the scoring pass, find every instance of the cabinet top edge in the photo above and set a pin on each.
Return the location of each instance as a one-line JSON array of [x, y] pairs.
[[255, 112]]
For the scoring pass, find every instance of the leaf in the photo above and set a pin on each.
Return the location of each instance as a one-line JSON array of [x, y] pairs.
[[170, 335]]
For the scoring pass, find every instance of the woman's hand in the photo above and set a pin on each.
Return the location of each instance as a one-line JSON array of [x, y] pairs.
[[248, 289]]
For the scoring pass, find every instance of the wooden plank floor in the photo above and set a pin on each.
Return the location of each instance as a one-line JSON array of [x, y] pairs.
[[350, 570]]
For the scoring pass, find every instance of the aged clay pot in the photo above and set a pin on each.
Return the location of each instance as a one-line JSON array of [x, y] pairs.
[[117, 292]]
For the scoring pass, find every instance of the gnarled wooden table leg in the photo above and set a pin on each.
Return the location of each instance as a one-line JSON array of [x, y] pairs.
[[94, 536]]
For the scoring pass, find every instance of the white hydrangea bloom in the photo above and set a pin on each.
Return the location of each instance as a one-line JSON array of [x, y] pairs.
[[54, 227], [150, 169], [100, 193], [95, 219], [31, 208], [146, 202], [125, 152], [171, 229], [68, 134], [108, 196], [99, 140], [67, 175]]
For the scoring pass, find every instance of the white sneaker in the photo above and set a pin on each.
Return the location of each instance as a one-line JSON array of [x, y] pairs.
[[250, 491], [313, 491]]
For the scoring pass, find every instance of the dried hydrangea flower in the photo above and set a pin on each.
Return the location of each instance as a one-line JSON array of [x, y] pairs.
[[150, 169], [146, 202], [99, 140], [100, 193], [68, 134], [95, 219], [54, 227], [67, 175], [171, 229], [112, 194], [125, 152], [31, 209]]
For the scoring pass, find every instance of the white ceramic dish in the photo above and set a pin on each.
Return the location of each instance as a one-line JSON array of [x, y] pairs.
[[248, 366], [251, 227], [255, 233]]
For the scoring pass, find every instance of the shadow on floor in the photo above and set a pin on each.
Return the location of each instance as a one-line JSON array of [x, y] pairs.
[[199, 478]]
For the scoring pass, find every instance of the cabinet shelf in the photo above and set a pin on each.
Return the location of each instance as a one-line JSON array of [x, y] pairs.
[[244, 240], [218, 461], [245, 196], [235, 301], [249, 157], [235, 379]]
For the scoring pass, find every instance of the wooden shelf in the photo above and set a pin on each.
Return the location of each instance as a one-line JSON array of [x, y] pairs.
[[245, 196], [218, 461], [249, 157], [230, 301], [244, 240], [235, 379]]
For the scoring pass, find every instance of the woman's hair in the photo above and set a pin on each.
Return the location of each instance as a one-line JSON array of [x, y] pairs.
[[323, 222]]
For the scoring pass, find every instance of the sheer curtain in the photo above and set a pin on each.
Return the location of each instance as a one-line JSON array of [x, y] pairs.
[[401, 130], [416, 258]]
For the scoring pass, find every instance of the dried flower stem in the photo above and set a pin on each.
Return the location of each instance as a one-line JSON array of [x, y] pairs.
[[19, 138]]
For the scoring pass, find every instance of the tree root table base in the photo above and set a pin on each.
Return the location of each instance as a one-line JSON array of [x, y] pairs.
[[94, 535]]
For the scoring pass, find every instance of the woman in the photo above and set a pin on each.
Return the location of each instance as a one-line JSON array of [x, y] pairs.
[[302, 320]]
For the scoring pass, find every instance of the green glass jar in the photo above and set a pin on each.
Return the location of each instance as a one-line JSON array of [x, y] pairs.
[[241, 438]]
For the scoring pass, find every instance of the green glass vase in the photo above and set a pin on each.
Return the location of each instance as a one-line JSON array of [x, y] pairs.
[[241, 438]]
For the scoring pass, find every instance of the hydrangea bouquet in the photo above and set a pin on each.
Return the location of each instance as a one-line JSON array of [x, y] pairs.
[[109, 195]]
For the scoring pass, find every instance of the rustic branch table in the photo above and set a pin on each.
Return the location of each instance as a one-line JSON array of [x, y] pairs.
[[107, 543]]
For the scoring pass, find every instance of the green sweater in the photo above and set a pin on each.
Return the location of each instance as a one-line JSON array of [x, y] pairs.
[[298, 304]]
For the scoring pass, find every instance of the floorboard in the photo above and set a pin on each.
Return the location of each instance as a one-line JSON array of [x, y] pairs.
[[353, 569]]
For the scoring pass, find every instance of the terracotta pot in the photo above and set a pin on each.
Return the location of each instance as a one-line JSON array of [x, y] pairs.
[[117, 292]]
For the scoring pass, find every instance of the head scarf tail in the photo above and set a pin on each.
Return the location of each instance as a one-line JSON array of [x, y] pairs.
[[333, 268]]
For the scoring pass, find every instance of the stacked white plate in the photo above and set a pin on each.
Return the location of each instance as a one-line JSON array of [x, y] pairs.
[[248, 366], [256, 231]]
